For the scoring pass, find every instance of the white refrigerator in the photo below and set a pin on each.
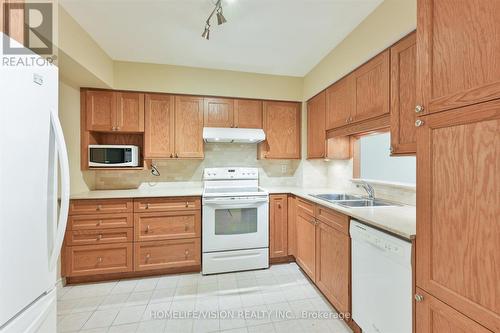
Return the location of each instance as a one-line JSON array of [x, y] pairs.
[[34, 193]]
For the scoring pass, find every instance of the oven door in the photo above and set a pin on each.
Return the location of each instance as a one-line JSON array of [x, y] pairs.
[[235, 223]]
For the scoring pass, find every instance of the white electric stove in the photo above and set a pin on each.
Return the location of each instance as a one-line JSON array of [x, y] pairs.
[[235, 221]]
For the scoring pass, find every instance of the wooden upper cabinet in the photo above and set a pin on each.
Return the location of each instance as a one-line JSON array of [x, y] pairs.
[[218, 112], [316, 132], [403, 91], [129, 112], [278, 218], [340, 102], [457, 53], [282, 127], [458, 177], [159, 126], [372, 88], [247, 113], [434, 316], [189, 127], [100, 110], [333, 265]]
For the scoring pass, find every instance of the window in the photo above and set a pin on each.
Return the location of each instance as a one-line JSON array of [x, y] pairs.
[[377, 164]]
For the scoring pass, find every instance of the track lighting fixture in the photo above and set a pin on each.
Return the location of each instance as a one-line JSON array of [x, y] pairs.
[[220, 19]]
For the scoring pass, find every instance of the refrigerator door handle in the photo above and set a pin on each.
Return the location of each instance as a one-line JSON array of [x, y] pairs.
[[65, 181]]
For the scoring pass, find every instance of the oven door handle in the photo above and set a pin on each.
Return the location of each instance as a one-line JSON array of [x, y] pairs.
[[243, 203]]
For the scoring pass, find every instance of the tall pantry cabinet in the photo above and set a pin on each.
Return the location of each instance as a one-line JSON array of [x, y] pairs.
[[458, 158]]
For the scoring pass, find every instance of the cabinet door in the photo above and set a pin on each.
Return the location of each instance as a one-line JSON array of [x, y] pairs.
[[291, 227], [372, 88], [316, 133], [434, 316], [403, 90], [458, 181], [282, 127], [333, 266], [306, 244], [100, 111], [167, 225], [457, 53], [340, 102], [188, 127], [167, 254], [218, 112], [159, 126], [247, 113], [129, 112], [278, 234]]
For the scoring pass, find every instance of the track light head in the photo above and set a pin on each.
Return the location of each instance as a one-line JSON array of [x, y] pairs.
[[220, 17], [206, 33]]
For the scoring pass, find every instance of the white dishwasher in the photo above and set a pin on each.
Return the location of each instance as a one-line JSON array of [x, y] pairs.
[[381, 281]]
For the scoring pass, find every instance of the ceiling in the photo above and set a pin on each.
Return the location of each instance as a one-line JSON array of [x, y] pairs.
[[283, 37]]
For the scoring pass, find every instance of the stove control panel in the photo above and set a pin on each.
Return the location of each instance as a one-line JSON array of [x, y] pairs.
[[230, 173]]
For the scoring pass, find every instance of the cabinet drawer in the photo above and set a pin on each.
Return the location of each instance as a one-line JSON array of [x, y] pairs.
[[166, 204], [333, 218], [167, 254], [94, 237], [167, 225], [98, 259], [305, 208], [100, 206], [100, 221]]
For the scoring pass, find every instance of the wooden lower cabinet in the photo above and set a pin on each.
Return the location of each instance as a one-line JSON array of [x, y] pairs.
[[278, 223], [100, 221], [167, 254], [98, 259], [333, 262], [167, 225], [100, 236], [306, 242], [434, 316], [100, 206]]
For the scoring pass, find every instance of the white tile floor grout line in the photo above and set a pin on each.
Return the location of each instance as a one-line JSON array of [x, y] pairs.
[[264, 296]]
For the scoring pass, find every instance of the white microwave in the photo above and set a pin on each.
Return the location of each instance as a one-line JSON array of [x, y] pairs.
[[113, 156]]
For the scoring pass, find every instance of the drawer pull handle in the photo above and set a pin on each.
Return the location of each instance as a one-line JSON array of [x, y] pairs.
[[148, 256], [186, 253], [99, 260], [419, 298], [99, 207], [147, 206], [418, 123], [147, 228], [99, 237], [279, 205], [187, 204], [99, 223]]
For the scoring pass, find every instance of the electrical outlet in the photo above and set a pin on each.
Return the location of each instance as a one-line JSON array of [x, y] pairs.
[[283, 168]]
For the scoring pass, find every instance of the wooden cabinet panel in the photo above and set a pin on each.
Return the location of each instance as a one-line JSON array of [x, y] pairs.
[[218, 112], [100, 206], [100, 110], [305, 207], [278, 225], [403, 96], [372, 88], [167, 225], [100, 221], [333, 262], [316, 132], [340, 102], [167, 254], [129, 112], [103, 236], [12, 13], [306, 244], [291, 228], [159, 126], [458, 177], [247, 113], [166, 204], [434, 316], [333, 218], [282, 127], [98, 259], [457, 53], [189, 127], [339, 148]]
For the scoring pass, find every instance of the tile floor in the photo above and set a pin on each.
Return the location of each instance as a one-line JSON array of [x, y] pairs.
[[271, 300]]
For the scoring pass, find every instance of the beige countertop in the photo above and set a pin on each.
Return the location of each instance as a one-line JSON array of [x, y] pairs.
[[398, 220]]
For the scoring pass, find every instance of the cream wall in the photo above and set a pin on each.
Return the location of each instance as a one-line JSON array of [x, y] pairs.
[[390, 21]]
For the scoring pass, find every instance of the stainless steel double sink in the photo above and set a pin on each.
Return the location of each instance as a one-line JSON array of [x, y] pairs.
[[352, 201]]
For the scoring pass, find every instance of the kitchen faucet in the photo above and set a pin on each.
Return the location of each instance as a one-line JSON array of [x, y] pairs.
[[368, 188]]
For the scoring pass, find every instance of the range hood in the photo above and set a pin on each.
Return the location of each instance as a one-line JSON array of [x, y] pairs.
[[233, 135]]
